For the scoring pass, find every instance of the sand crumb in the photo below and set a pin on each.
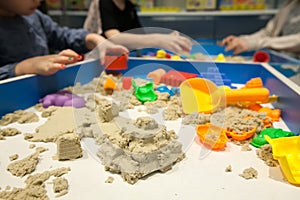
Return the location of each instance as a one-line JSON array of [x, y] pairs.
[[246, 147], [60, 186], [8, 132], [13, 157], [31, 146], [228, 168], [7, 187], [35, 186], [25, 166], [265, 153], [39, 107], [109, 179], [19, 116], [249, 173]]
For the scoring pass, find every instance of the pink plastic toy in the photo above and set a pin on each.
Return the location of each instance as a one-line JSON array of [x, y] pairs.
[[156, 75], [127, 82], [175, 78]]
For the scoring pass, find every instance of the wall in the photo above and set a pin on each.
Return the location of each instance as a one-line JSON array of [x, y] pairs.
[[211, 27]]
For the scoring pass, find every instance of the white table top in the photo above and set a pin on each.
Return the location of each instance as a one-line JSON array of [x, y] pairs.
[[194, 177]]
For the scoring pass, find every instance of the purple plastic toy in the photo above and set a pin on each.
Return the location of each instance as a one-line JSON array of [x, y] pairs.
[[62, 98]]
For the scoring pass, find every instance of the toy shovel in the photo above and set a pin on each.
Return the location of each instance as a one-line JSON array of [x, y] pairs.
[[202, 95], [286, 150]]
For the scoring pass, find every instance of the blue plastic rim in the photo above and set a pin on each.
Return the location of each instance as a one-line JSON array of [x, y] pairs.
[[26, 92]]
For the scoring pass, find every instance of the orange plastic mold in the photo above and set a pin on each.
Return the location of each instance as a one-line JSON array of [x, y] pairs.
[[274, 114], [241, 136], [214, 137], [110, 85], [255, 107]]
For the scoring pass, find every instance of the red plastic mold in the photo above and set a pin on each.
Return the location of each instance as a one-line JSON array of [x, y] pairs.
[[116, 62]]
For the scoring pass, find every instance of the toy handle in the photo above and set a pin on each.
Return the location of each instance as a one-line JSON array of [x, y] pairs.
[[247, 95]]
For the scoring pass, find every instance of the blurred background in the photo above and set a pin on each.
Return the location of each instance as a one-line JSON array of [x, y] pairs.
[[207, 19]]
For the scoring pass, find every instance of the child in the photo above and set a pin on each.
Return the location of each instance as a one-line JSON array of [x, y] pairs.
[[282, 33], [26, 35], [117, 20]]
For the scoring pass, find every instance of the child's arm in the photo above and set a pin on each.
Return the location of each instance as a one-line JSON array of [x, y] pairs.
[[172, 42], [79, 40], [50, 64], [46, 65], [7, 71]]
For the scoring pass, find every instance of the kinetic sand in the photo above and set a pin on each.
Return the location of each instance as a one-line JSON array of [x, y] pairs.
[[135, 148], [60, 121], [68, 146], [35, 186], [137, 153], [19, 116], [27, 165], [249, 173], [8, 132]]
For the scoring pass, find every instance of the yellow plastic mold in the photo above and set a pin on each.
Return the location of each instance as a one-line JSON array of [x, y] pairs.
[[287, 151]]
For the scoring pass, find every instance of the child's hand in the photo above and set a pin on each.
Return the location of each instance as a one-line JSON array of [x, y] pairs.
[[73, 56], [100, 47], [45, 65], [173, 42], [234, 43], [109, 48]]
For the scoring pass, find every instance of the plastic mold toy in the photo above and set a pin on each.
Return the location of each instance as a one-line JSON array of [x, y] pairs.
[[116, 63], [164, 88], [62, 98], [273, 133], [175, 78], [241, 136], [144, 93], [212, 136]]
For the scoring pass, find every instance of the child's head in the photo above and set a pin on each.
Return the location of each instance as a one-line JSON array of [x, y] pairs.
[[18, 7]]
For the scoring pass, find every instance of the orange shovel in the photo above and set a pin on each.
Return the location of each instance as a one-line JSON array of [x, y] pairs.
[[202, 95]]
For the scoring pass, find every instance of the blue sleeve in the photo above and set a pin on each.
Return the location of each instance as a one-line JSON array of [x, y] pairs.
[[7, 71], [60, 38]]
